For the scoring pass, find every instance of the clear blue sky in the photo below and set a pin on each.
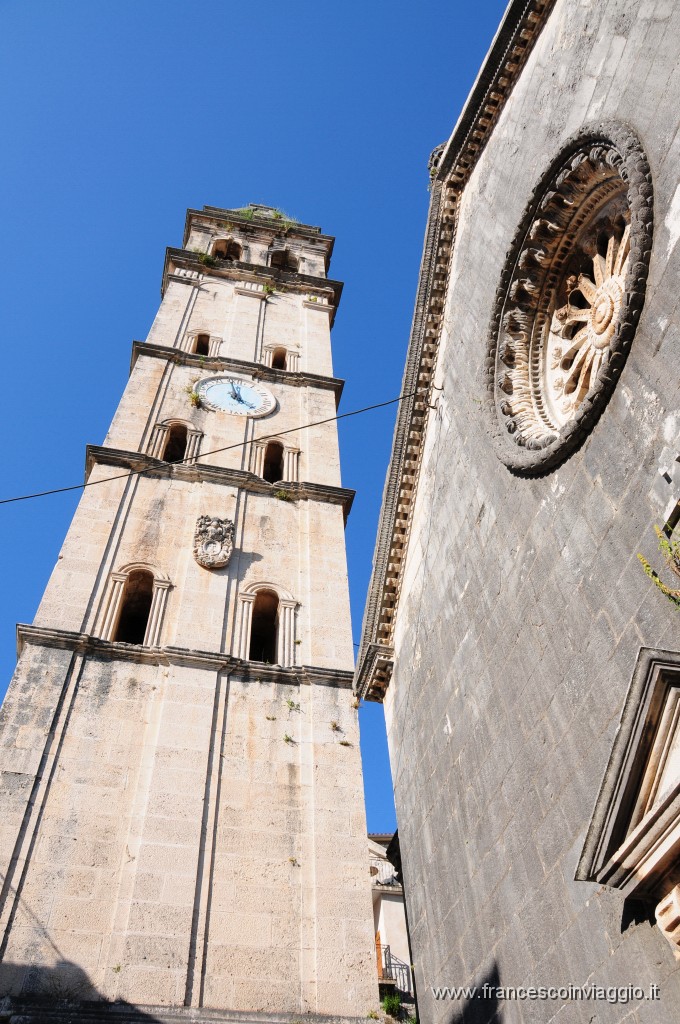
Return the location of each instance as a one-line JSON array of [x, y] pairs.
[[116, 117]]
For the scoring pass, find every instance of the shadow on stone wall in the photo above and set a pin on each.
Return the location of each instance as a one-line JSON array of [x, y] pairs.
[[482, 1009], [58, 994]]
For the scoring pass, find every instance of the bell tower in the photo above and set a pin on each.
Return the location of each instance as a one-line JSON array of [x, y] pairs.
[[181, 803]]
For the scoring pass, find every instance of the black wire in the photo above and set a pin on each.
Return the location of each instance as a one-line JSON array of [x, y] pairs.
[[216, 451]]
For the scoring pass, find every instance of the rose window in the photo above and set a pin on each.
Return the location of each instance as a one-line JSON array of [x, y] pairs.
[[570, 298]]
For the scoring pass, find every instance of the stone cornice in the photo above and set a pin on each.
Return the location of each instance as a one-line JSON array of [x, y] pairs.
[[234, 270], [139, 462], [266, 226], [502, 66], [450, 166], [85, 643], [213, 364]]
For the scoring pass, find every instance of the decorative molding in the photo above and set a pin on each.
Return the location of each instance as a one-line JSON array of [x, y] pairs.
[[258, 371], [186, 266], [450, 168], [254, 672], [633, 841], [667, 915], [141, 463], [566, 312], [255, 292], [213, 541], [514, 41]]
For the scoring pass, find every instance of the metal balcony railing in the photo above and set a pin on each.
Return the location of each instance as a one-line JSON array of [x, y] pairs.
[[391, 968]]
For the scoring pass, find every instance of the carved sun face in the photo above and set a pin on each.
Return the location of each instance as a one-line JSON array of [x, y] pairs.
[[580, 334]]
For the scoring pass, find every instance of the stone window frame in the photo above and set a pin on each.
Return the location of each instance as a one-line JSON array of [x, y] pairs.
[[230, 240], [617, 145], [159, 437], [113, 598], [285, 633], [290, 252], [292, 357], [189, 341], [633, 840], [291, 458]]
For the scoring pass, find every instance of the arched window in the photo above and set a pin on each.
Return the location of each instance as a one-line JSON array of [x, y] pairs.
[[284, 260], [133, 605], [264, 627], [227, 249], [273, 462], [202, 345], [176, 443], [135, 608], [266, 630], [279, 359]]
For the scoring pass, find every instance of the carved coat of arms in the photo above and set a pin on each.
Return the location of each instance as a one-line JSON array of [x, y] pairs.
[[213, 541]]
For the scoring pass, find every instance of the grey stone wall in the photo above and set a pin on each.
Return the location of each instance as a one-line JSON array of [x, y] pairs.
[[523, 603]]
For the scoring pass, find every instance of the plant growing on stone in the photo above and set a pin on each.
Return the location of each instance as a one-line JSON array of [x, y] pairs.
[[292, 706], [205, 258], [294, 861], [345, 743], [335, 727], [194, 397], [670, 550], [268, 288], [391, 1004], [287, 738], [270, 718], [372, 1015], [282, 495]]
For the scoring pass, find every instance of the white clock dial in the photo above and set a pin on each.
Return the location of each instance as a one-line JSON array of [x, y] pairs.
[[236, 396]]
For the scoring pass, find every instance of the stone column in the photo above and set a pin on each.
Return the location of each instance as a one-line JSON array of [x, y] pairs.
[[112, 600], [193, 445], [286, 633], [157, 441], [290, 465], [293, 361], [258, 458], [247, 602], [158, 601], [267, 356]]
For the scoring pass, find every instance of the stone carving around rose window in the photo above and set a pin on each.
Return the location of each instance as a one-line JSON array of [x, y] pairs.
[[570, 297], [213, 541]]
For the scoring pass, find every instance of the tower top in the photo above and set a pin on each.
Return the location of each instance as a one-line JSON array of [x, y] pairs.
[[261, 218]]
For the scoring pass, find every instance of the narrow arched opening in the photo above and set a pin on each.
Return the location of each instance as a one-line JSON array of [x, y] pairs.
[[176, 443], [284, 259], [227, 250], [202, 345], [135, 608], [279, 359], [273, 462], [264, 627]]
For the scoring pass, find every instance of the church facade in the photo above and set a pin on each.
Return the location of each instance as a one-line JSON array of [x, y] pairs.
[[182, 823], [522, 624]]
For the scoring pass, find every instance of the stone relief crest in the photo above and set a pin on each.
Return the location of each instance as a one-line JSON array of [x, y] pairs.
[[213, 541], [570, 297]]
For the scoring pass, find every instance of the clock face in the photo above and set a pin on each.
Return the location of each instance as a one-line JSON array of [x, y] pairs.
[[236, 396]]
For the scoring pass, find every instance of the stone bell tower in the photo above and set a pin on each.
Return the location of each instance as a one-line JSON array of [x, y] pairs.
[[181, 805]]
